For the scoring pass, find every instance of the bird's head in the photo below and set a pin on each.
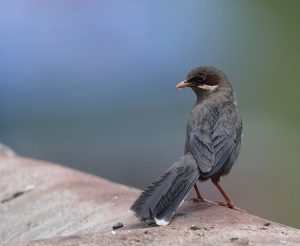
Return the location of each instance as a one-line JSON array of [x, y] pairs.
[[205, 80]]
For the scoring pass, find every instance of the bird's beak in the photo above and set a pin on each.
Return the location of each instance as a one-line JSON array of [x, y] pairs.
[[183, 84]]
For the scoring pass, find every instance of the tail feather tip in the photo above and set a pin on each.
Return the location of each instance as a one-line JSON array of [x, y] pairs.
[[161, 222]]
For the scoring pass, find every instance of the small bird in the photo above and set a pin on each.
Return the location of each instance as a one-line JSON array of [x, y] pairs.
[[213, 140]]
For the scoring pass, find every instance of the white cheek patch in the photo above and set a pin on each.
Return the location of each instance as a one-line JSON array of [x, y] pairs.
[[208, 87]]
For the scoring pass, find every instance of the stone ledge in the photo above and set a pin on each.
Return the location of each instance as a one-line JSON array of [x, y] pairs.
[[47, 204]]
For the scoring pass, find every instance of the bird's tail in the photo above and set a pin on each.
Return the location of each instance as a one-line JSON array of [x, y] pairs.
[[160, 200]]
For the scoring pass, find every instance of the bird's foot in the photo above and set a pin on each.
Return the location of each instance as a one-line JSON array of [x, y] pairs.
[[200, 200], [194, 199], [231, 206]]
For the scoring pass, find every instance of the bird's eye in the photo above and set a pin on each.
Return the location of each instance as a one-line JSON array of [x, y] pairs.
[[198, 79], [201, 78]]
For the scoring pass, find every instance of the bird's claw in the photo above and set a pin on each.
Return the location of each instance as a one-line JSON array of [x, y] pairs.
[[200, 200], [194, 199], [231, 206]]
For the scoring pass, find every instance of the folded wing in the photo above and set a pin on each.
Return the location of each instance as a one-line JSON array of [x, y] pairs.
[[213, 149]]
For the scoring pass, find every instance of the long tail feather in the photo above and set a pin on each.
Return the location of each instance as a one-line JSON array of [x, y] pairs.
[[161, 199]]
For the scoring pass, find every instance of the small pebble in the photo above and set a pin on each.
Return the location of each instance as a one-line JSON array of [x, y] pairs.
[[267, 224], [29, 187], [194, 228], [117, 226], [240, 241]]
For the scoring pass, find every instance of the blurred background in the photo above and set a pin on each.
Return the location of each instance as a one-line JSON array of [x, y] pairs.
[[91, 85]]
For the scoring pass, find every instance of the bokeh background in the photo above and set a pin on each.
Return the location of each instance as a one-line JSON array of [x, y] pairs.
[[91, 85]]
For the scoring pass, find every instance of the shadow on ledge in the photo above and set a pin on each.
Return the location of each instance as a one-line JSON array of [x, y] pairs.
[[47, 204]]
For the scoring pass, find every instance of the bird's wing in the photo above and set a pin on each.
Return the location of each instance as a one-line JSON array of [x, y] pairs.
[[213, 149], [201, 147]]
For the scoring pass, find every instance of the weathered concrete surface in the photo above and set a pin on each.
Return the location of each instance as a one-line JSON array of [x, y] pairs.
[[47, 204]]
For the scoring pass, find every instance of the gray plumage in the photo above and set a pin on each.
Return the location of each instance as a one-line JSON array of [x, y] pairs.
[[213, 138], [163, 196]]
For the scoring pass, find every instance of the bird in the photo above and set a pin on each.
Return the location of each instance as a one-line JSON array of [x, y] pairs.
[[212, 145]]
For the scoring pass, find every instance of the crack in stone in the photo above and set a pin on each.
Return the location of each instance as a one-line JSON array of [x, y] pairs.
[[27, 189]]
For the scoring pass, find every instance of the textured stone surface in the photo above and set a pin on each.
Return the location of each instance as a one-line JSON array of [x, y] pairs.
[[47, 204]]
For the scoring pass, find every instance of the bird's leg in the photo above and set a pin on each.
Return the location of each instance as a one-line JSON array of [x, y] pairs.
[[228, 203], [199, 198]]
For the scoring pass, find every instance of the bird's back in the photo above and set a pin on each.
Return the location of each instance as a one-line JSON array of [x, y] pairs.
[[214, 121]]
